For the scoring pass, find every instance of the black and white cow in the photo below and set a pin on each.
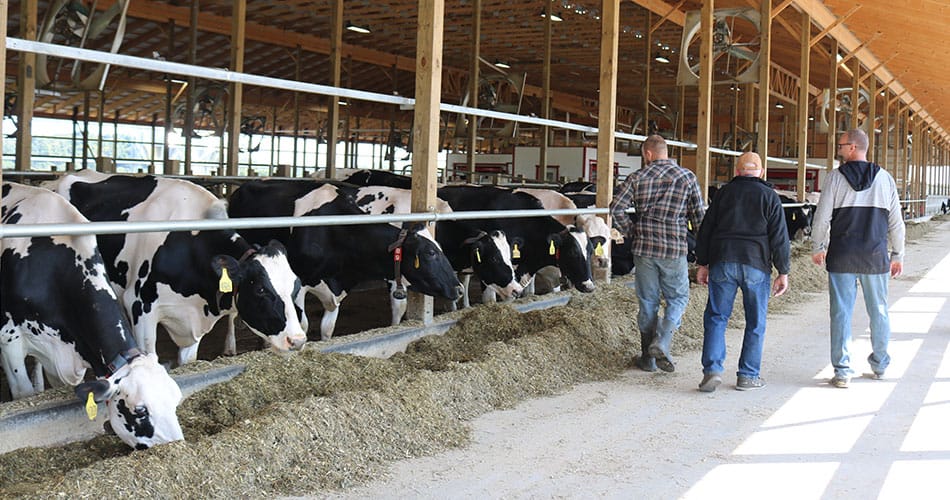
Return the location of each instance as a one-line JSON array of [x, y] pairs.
[[468, 248], [379, 178], [57, 306], [536, 241], [797, 218], [187, 280], [333, 259], [592, 225]]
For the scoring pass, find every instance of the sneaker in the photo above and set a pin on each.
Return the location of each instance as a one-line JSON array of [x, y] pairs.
[[645, 364], [840, 381], [663, 361], [749, 383], [710, 382], [875, 376]]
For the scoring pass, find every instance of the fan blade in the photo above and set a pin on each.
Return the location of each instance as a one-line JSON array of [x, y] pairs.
[[742, 53]]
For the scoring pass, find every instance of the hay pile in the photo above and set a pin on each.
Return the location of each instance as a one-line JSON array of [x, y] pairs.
[[314, 421]]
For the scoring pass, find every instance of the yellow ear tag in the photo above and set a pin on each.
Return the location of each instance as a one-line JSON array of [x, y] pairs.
[[224, 284], [599, 250], [91, 408], [551, 249], [416, 262], [793, 216], [478, 256], [689, 225], [515, 253]]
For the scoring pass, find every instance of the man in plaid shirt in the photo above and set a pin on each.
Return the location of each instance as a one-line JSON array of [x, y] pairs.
[[665, 196]]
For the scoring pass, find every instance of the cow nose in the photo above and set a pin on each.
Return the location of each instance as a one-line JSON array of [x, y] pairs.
[[586, 287], [460, 289], [295, 343]]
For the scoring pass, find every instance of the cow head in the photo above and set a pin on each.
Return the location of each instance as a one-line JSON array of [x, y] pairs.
[[600, 236], [265, 289], [141, 399], [425, 266], [572, 250], [491, 261]]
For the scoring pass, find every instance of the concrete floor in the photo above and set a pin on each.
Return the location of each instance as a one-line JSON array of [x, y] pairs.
[[655, 436]]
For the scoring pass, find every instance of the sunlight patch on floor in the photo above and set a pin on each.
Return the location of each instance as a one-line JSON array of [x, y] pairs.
[[780, 480], [929, 430], [917, 479], [818, 420], [936, 281]]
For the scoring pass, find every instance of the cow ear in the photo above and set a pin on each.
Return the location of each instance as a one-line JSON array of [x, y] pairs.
[[220, 262], [101, 390], [278, 246]]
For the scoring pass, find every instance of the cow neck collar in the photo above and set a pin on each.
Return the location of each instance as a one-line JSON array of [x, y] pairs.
[[122, 359]]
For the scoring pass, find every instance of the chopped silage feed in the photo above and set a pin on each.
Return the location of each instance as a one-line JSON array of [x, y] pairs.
[[314, 422]]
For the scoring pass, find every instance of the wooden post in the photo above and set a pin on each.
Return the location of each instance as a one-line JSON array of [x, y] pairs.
[[885, 157], [26, 86], [333, 102], [188, 129], [546, 91], [425, 126], [765, 62], [855, 94], [236, 97], [803, 104], [704, 115], [607, 116], [832, 144], [474, 76], [169, 95]]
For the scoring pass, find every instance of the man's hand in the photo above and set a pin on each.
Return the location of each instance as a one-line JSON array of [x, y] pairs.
[[702, 275], [818, 258], [897, 268], [780, 285]]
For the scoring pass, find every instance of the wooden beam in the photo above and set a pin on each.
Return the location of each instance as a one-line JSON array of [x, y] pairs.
[[661, 8], [831, 150], [666, 16], [779, 8], [832, 26], [857, 49], [879, 66]]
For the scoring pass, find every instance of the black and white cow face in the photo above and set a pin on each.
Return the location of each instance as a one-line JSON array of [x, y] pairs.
[[425, 266], [142, 400], [265, 288], [573, 250], [491, 261]]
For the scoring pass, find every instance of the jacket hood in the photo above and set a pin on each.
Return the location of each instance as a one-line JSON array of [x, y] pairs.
[[860, 174]]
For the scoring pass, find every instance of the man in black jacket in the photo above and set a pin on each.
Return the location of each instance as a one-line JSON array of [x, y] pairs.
[[742, 237]]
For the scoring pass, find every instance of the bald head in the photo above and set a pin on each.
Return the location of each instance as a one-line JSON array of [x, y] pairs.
[[749, 165]]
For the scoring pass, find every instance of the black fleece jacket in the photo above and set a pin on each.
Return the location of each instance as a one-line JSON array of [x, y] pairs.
[[745, 224]]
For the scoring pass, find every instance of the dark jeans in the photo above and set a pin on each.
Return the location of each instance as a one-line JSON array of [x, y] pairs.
[[725, 279]]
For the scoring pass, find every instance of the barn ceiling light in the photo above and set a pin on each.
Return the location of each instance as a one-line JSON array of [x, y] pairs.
[[502, 64], [554, 17], [359, 29], [660, 58], [779, 105]]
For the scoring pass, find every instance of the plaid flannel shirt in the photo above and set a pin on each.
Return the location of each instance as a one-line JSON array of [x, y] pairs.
[[665, 196]]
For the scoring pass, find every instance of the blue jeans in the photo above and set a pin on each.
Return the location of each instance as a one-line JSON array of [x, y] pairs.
[[725, 280], [842, 288], [653, 277]]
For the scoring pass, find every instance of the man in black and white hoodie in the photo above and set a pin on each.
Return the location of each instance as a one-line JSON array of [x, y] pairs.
[[858, 234]]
